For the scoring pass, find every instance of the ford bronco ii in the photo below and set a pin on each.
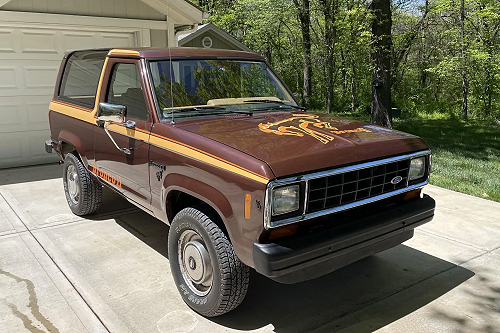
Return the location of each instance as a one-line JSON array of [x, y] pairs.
[[214, 144]]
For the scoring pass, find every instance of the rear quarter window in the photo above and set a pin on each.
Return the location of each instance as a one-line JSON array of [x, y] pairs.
[[81, 78]]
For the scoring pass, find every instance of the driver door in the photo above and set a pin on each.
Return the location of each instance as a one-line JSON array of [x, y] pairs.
[[127, 173]]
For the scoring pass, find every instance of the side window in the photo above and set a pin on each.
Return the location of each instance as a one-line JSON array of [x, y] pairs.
[[81, 78], [125, 89]]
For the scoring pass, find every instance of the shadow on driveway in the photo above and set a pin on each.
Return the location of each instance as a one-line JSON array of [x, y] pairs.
[[377, 290], [30, 174]]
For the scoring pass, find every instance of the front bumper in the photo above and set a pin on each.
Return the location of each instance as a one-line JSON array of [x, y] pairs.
[[313, 255]]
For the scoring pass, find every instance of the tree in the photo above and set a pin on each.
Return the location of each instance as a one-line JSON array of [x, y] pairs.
[[381, 61], [330, 9], [304, 13]]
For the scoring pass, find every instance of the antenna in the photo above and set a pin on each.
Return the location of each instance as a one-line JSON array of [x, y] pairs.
[[170, 68]]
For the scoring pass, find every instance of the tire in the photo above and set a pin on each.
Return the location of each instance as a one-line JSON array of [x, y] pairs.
[[83, 191], [198, 247]]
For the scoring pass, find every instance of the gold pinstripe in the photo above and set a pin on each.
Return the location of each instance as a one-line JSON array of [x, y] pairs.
[[160, 142], [123, 52]]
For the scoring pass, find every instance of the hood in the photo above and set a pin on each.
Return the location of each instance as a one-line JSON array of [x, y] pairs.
[[293, 143]]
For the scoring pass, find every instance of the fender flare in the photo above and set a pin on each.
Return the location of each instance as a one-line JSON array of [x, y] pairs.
[[193, 187]]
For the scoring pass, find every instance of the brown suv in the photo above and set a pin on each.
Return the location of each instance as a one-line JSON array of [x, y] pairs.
[[214, 144]]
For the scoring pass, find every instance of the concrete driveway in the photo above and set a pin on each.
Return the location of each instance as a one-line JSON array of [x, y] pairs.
[[110, 273]]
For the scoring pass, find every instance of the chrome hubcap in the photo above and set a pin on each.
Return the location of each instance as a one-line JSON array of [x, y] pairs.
[[73, 184], [195, 263]]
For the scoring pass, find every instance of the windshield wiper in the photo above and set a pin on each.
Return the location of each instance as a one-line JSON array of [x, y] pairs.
[[273, 101], [195, 108], [250, 113], [218, 110]]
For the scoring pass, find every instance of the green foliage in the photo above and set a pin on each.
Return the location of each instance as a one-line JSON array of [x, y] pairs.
[[428, 55], [465, 154]]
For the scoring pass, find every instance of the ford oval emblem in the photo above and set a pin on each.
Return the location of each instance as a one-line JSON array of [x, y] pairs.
[[396, 180]]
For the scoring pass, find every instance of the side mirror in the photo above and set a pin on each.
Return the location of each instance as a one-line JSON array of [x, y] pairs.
[[111, 112], [114, 114]]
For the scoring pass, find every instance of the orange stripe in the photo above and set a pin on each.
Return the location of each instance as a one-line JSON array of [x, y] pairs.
[[123, 52], [208, 154], [99, 86], [72, 106]]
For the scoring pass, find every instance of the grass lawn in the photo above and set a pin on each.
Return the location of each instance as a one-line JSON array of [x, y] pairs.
[[465, 154]]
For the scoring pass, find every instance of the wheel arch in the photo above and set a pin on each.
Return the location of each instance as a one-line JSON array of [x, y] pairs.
[[181, 191], [69, 142]]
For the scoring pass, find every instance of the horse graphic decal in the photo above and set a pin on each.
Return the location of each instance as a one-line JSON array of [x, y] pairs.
[[287, 127]]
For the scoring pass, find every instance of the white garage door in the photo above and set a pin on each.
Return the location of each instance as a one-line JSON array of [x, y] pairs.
[[29, 61]]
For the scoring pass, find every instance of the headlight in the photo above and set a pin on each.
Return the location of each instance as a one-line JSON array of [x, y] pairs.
[[286, 199], [417, 168]]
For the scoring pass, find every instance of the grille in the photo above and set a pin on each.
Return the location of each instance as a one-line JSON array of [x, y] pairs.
[[345, 188]]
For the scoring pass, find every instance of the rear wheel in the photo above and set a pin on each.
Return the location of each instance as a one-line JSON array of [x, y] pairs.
[[83, 192], [210, 277]]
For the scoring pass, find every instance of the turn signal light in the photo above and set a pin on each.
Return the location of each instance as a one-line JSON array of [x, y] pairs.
[[413, 194], [283, 231]]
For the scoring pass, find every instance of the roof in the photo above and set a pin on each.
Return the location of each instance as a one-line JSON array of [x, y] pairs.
[[152, 52], [183, 39]]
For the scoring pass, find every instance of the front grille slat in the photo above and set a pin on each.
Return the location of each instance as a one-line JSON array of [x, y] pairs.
[[337, 190]]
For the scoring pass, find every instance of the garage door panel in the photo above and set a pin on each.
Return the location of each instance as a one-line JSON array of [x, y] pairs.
[[30, 58], [38, 41], [10, 147], [12, 116], [23, 78], [73, 40], [6, 41], [23, 116], [19, 149], [116, 40], [40, 77], [37, 115], [8, 78]]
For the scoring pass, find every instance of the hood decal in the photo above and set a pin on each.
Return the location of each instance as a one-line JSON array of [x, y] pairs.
[[298, 125]]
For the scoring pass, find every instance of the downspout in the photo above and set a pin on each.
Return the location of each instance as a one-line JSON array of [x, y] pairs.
[[193, 28]]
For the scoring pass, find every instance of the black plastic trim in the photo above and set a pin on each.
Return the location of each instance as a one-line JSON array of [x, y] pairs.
[[313, 255]]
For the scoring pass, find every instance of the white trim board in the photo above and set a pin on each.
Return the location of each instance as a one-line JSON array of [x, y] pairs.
[[180, 10], [23, 18], [4, 2]]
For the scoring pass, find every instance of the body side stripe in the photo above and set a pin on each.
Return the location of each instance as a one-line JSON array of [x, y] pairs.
[[210, 155], [162, 142], [203, 152]]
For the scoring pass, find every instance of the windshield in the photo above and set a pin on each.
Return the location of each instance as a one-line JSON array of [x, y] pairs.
[[189, 88]]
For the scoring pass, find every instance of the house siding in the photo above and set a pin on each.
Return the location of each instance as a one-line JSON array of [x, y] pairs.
[[159, 38], [217, 42], [131, 9]]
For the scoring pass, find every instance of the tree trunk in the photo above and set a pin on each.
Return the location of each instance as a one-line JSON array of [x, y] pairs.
[[381, 76], [329, 11], [465, 94], [305, 27], [465, 80], [353, 88], [343, 84]]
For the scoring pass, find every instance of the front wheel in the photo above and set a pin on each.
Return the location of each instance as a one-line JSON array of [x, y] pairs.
[[210, 277]]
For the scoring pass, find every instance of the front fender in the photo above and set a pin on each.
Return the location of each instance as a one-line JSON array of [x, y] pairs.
[[199, 190]]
